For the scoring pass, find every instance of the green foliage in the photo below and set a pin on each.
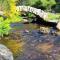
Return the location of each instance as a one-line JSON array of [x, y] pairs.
[[4, 26], [56, 8], [28, 14], [38, 4], [9, 9], [48, 3], [54, 17], [42, 4]]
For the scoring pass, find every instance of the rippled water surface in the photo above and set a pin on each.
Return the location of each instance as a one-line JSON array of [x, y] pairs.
[[38, 45]]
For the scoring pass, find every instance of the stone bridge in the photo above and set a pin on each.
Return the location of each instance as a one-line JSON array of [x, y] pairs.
[[39, 12], [33, 10]]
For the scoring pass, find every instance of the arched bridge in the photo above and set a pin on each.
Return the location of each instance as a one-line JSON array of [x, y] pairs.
[[36, 11], [42, 14], [39, 12]]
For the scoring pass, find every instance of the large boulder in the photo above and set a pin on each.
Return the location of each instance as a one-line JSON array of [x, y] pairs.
[[58, 25], [5, 53]]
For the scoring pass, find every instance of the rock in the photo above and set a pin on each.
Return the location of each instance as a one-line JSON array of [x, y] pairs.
[[5, 53], [52, 31], [27, 31], [1, 58], [58, 26], [45, 29], [58, 33], [1, 13], [25, 20]]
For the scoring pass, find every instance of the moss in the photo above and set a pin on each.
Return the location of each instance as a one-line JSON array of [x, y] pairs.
[[52, 16]]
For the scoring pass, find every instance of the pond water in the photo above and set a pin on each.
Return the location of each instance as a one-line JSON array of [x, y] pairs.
[[41, 43]]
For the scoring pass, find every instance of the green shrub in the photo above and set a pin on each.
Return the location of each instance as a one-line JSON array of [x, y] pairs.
[[5, 24], [9, 9]]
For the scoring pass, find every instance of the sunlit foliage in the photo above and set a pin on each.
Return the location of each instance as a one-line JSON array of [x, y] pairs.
[[52, 16], [10, 15], [4, 26]]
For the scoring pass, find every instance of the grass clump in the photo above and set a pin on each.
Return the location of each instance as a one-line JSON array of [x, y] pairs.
[[52, 16]]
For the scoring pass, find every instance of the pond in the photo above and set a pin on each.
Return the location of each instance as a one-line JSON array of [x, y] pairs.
[[40, 42]]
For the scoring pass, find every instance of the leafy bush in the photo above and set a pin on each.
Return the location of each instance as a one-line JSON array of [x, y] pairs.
[[56, 8], [9, 9], [41, 4], [4, 26]]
